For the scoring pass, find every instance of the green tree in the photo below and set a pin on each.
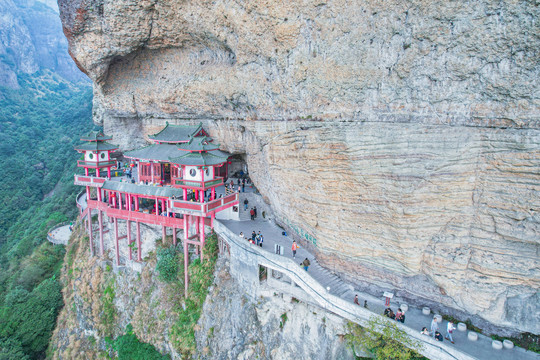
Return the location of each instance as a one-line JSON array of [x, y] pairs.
[[29, 318], [383, 339], [129, 347], [167, 264]]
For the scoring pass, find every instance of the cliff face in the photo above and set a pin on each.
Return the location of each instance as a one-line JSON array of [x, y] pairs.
[[100, 302], [31, 39], [401, 139]]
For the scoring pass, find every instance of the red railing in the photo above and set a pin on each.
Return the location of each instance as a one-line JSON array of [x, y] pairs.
[[95, 164], [203, 208], [145, 218], [218, 203], [195, 184], [84, 180]]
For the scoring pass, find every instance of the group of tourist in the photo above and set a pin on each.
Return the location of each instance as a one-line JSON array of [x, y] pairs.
[[398, 316], [241, 184], [436, 333], [256, 238]]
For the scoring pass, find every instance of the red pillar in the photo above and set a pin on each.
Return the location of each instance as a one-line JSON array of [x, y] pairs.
[[202, 196], [139, 249], [120, 200], [163, 206], [213, 193], [185, 194], [152, 172], [212, 217], [128, 228], [90, 231], [163, 234], [157, 208], [137, 203], [116, 242], [86, 171], [174, 236], [202, 239], [109, 172], [97, 172], [186, 254], [100, 219]]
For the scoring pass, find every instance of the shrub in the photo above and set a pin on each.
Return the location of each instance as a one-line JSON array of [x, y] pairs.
[[167, 264], [383, 339], [129, 347]]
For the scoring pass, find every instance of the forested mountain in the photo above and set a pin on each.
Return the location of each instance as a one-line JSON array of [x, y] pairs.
[[45, 105]]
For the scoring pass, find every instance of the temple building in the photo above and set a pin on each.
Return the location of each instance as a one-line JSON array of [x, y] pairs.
[[176, 182]]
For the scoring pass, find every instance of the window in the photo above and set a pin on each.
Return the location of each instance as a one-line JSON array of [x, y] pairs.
[[90, 156], [102, 155], [192, 172], [207, 172]]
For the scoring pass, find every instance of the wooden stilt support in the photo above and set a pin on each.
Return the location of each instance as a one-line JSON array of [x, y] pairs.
[[186, 255], [100, 220], [90, 231], [128, 229], [163, 234], [139, 249], [116, 241], [174, 236], [201, 225], [195, 221]]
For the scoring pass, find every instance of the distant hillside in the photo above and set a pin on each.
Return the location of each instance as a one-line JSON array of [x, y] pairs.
[[31, 39]]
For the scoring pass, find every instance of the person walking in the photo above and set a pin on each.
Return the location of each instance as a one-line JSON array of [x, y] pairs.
[[260, 239], [253, 236], [255, 211], [246, 202], [449, 330], [434, 326], [244, 185], [294, 248], [252, 214], [356, 300], [306, 264]]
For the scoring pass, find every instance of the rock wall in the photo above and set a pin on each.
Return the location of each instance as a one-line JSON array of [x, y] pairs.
[[235, 323], [31, 40], [401, 139]]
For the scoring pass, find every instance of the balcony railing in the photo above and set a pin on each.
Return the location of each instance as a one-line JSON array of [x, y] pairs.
[[202, 209], [84, 180], [198, 184], [95, 164]]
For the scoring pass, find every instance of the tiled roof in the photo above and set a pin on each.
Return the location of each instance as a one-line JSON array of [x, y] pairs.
[[95, 136], [199, 143], [150, 190], [96, 146], [203, 158], [177, 133], [157, 152]]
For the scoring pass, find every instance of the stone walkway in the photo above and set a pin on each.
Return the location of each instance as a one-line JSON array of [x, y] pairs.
[[481, 349], [59, 235]]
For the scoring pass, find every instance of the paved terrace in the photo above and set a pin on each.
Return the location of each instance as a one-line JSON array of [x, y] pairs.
[[59, 234], [333, 286]]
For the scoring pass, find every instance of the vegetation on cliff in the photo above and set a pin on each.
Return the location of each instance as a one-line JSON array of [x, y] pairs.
[[200, 279], [39, 122], [383, 340]]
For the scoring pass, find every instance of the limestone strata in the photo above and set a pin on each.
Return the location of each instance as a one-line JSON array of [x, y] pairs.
[[402, 136]]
